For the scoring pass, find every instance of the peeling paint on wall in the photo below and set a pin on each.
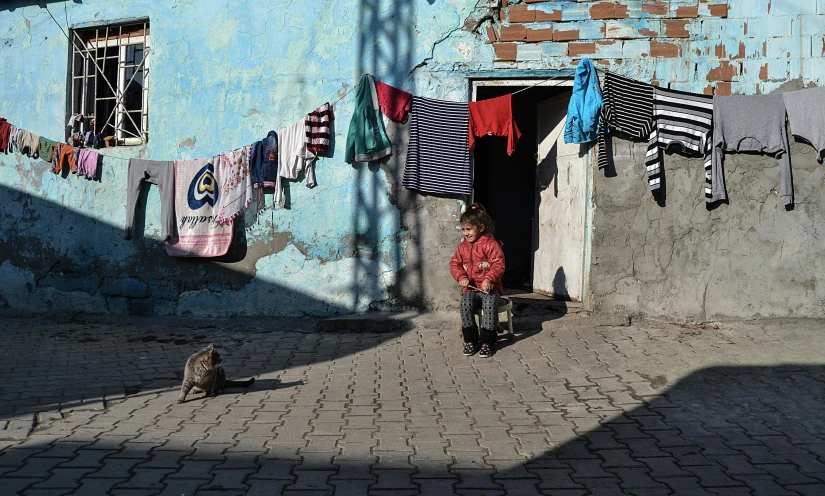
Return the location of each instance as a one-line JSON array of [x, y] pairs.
[[360, 241]]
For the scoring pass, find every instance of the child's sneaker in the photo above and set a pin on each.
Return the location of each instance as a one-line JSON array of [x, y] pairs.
[[486, 351], [470, 349]]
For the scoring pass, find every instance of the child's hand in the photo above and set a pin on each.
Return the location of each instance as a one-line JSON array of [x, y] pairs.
[[464, 282], [486, 285]]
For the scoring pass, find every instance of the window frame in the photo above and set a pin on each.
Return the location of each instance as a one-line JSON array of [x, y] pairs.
[[89, 66]]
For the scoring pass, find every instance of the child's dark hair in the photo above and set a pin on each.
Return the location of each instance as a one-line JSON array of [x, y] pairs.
[[476, 215]]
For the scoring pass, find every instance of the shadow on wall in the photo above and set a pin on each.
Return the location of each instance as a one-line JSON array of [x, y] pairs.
[[385, 48], [560, 285], [54, 258]]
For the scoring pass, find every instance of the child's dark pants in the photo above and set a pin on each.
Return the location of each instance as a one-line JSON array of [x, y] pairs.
[[470, 301]]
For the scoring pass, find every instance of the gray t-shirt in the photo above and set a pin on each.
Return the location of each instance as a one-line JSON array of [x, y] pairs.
[[806, 114], [750, 124]]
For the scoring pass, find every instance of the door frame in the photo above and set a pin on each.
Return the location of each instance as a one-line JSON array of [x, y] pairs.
[[591, 158]]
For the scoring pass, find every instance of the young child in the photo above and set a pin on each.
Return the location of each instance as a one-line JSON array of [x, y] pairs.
[[478, 265]]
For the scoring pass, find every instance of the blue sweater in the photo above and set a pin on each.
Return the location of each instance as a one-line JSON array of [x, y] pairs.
[[585, 105]]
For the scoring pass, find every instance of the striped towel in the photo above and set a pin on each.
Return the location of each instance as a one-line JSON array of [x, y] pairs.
[[682, 122], [197, 193], [628, 109], [438, 157]]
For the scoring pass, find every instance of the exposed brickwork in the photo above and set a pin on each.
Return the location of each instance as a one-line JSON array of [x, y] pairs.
[[522, 14], [534, 35], [491, 34], [577, 49], [663, 49], [723, 89], [676, 28], [553, 15], [603, 10], [505, 51], [516, 32], [687, 11], [718, 10], [701, 45], [725, 72], [559, 35], [655, 8]]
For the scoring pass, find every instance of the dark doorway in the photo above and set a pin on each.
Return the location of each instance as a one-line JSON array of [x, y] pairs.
[[506, 185]]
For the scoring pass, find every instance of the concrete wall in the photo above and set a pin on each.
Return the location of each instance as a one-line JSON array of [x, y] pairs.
[[225, 73], [747, 259]]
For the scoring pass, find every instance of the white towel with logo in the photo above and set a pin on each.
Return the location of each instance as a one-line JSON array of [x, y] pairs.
[[197, 193]]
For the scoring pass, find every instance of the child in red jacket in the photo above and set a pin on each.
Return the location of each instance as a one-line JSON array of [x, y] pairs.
[[478, 265]]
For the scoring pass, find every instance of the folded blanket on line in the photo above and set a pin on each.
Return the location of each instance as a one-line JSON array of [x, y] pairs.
[[197, 194]]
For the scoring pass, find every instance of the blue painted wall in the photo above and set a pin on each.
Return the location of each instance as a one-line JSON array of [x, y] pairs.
[[222, 75]]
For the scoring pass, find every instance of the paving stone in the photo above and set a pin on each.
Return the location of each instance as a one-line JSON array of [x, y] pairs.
[[36, 467], [177, 487], [16, 485], [63, 478], [148, 478], [554, 413]]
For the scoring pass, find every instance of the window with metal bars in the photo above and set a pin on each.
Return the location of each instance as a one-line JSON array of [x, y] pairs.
[[110, 81]]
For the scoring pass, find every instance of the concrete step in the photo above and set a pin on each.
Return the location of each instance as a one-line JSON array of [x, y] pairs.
[[532, 304], [388, 322]]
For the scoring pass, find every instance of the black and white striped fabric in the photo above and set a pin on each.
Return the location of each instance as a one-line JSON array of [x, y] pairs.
[[682, 122], [628, 109], [438, 155]]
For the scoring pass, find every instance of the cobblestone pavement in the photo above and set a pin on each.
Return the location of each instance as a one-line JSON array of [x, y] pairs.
[[574, 406]]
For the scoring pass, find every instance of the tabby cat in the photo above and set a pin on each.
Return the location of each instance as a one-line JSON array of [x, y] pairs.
[[204, 371]]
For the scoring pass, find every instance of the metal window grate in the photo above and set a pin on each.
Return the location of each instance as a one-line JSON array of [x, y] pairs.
[[110, 74]]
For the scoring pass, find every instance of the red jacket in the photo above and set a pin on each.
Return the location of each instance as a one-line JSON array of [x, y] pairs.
[[477, 261]]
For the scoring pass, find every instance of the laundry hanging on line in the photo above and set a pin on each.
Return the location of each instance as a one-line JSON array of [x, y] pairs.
[[198, 188]]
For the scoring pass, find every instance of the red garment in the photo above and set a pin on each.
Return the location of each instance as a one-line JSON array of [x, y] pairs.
[[394, 103], [5, 129], [494, 117], [477, 261]]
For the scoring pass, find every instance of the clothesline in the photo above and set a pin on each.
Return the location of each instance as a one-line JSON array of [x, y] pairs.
[[333, 104]]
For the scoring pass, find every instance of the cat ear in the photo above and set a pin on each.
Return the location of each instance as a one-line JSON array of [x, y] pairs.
[[211, 346]]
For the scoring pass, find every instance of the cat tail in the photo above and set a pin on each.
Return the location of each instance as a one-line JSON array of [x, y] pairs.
[[245, 383]]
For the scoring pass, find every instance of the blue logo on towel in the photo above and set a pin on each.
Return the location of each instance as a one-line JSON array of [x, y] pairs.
[[203, 188]]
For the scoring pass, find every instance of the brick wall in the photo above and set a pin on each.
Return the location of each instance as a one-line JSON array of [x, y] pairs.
[[709, 46]]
